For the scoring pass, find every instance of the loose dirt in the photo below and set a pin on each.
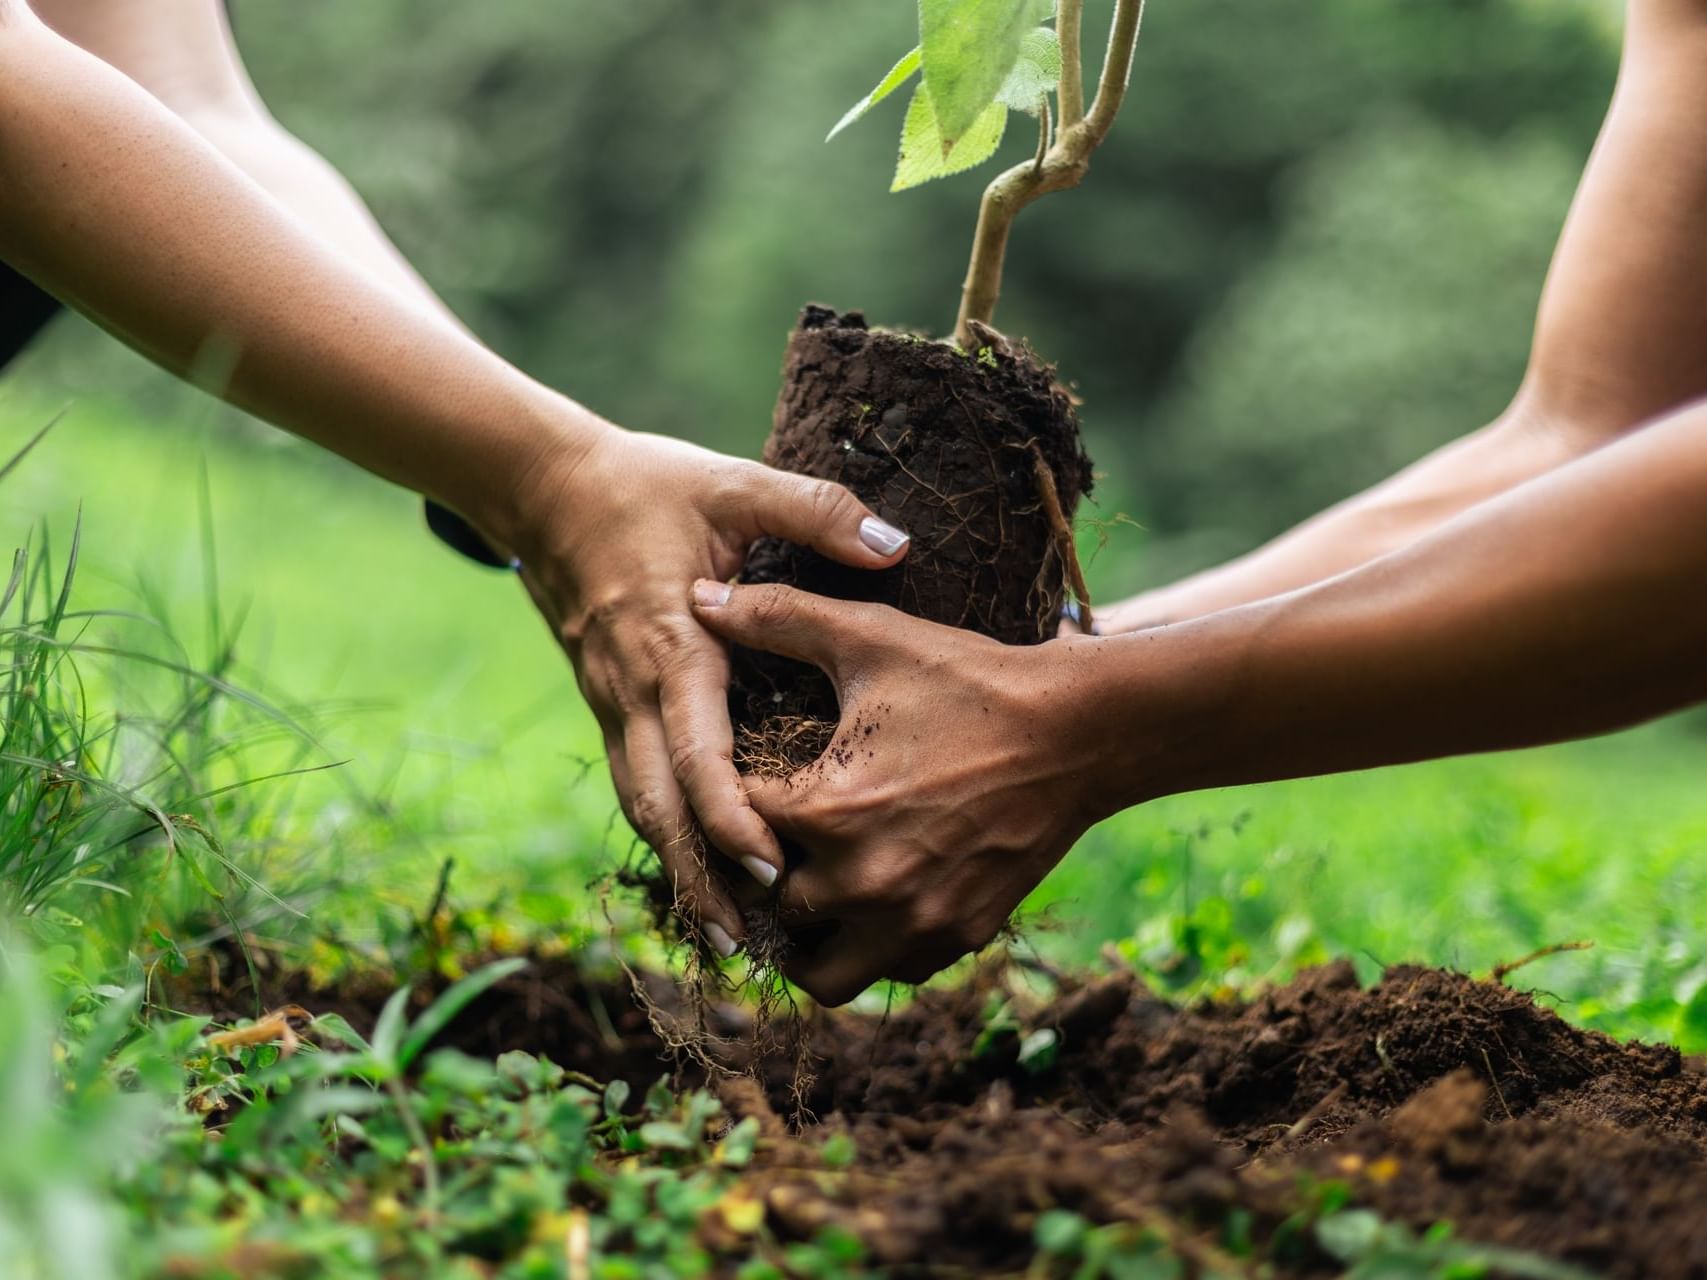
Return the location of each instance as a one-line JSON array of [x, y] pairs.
[[1433, 1096]]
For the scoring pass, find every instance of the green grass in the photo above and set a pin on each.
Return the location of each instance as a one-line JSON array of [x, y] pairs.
[[461, 716], [138, 808]]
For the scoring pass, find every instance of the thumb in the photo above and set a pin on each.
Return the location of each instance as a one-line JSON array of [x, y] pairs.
[[781, 620], [826, 517]]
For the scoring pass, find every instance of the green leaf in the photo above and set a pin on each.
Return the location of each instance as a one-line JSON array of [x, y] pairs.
[[456, 998], [1036, 73], [388, 1030], [616, 1097], [1060, 1232], [736, 1149], [1349, 1234], [661, 1135], [922, 154], [838, 1151], [968, 48], [898, 75], [333, 1024], [1692, 1023], [1037, 1051]]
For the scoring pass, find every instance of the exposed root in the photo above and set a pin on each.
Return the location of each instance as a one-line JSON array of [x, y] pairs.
[[782, 745], [1064, 545], [1499, 972]]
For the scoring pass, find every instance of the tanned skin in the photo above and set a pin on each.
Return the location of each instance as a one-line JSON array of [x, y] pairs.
[[143, 183], [1543, 579]]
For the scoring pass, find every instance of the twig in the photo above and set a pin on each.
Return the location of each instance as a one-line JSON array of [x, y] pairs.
[[1064, 165], [1499, 971], [1063, 539], [1069, 18], [1307, 1121], [1494, 1080]]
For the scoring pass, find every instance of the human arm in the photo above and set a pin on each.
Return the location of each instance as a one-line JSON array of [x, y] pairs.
[[1572, 605], [109, 201], [1620, 336], [183, 54]]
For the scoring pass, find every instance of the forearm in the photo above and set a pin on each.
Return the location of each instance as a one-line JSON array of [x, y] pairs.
[[1619, 335], [1418, 500], [301, 180], [115, 205], [1573, 605]]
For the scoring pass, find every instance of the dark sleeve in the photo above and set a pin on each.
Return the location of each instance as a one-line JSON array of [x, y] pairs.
[[24, 312]]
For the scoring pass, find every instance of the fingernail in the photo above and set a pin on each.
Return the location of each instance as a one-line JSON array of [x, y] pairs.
[[880, 536], [711, 595], [761, 870], [719, 939]]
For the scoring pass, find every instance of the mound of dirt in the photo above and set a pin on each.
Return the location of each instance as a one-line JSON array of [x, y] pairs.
[[1434, 1096]]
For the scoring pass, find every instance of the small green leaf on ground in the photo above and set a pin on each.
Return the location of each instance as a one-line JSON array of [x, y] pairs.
[[969, 46], [898, 75], [922, 154], [838, 1151]]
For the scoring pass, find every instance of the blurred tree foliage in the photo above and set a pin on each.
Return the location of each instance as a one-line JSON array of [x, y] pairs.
[[1311, 250]]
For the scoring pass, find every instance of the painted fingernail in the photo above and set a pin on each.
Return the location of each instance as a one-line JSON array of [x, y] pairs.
[[760, 870], [719, 939], [880, 536], [711, 595]]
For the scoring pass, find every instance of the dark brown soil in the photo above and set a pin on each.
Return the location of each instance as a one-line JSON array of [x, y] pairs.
[[941, 444], [1434, 1096]]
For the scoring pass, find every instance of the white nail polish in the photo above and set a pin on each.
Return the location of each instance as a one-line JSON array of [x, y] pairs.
[[760, 870], [712, 595], [719, 939], [881, 536]]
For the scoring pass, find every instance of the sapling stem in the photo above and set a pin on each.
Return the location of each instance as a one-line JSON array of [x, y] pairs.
[[1063, 165], [1069, 18]]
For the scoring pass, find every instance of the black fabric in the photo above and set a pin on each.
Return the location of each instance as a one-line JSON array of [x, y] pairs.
[[24, 312]]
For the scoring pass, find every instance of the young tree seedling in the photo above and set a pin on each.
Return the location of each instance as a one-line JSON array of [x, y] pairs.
[[976, 61]]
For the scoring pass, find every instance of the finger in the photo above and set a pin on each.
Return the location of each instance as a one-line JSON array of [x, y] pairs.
[[782, 620], [844, 965], [824, 516], [658, 812], [694, 703]]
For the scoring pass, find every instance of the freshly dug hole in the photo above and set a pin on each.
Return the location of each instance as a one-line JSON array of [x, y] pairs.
[[941, 444]]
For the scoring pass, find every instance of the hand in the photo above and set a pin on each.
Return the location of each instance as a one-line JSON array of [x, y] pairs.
[[953, 785], [612, 538]]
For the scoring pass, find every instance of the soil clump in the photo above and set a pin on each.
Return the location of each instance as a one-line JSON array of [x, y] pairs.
[[976, 455]]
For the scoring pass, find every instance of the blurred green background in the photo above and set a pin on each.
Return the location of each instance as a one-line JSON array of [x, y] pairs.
[[1311, 251]]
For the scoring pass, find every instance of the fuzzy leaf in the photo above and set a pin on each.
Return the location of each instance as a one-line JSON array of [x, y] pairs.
[[898, 75], [968, 49], [923, 155], [1036, 73]]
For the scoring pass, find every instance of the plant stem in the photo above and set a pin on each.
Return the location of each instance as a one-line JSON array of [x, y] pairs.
[[1116, 68], [1063, 166], [1069, 17], [423, 1144]]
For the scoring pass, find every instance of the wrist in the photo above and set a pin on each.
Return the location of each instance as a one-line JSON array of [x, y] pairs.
[[1156, 712], [536, 459]]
